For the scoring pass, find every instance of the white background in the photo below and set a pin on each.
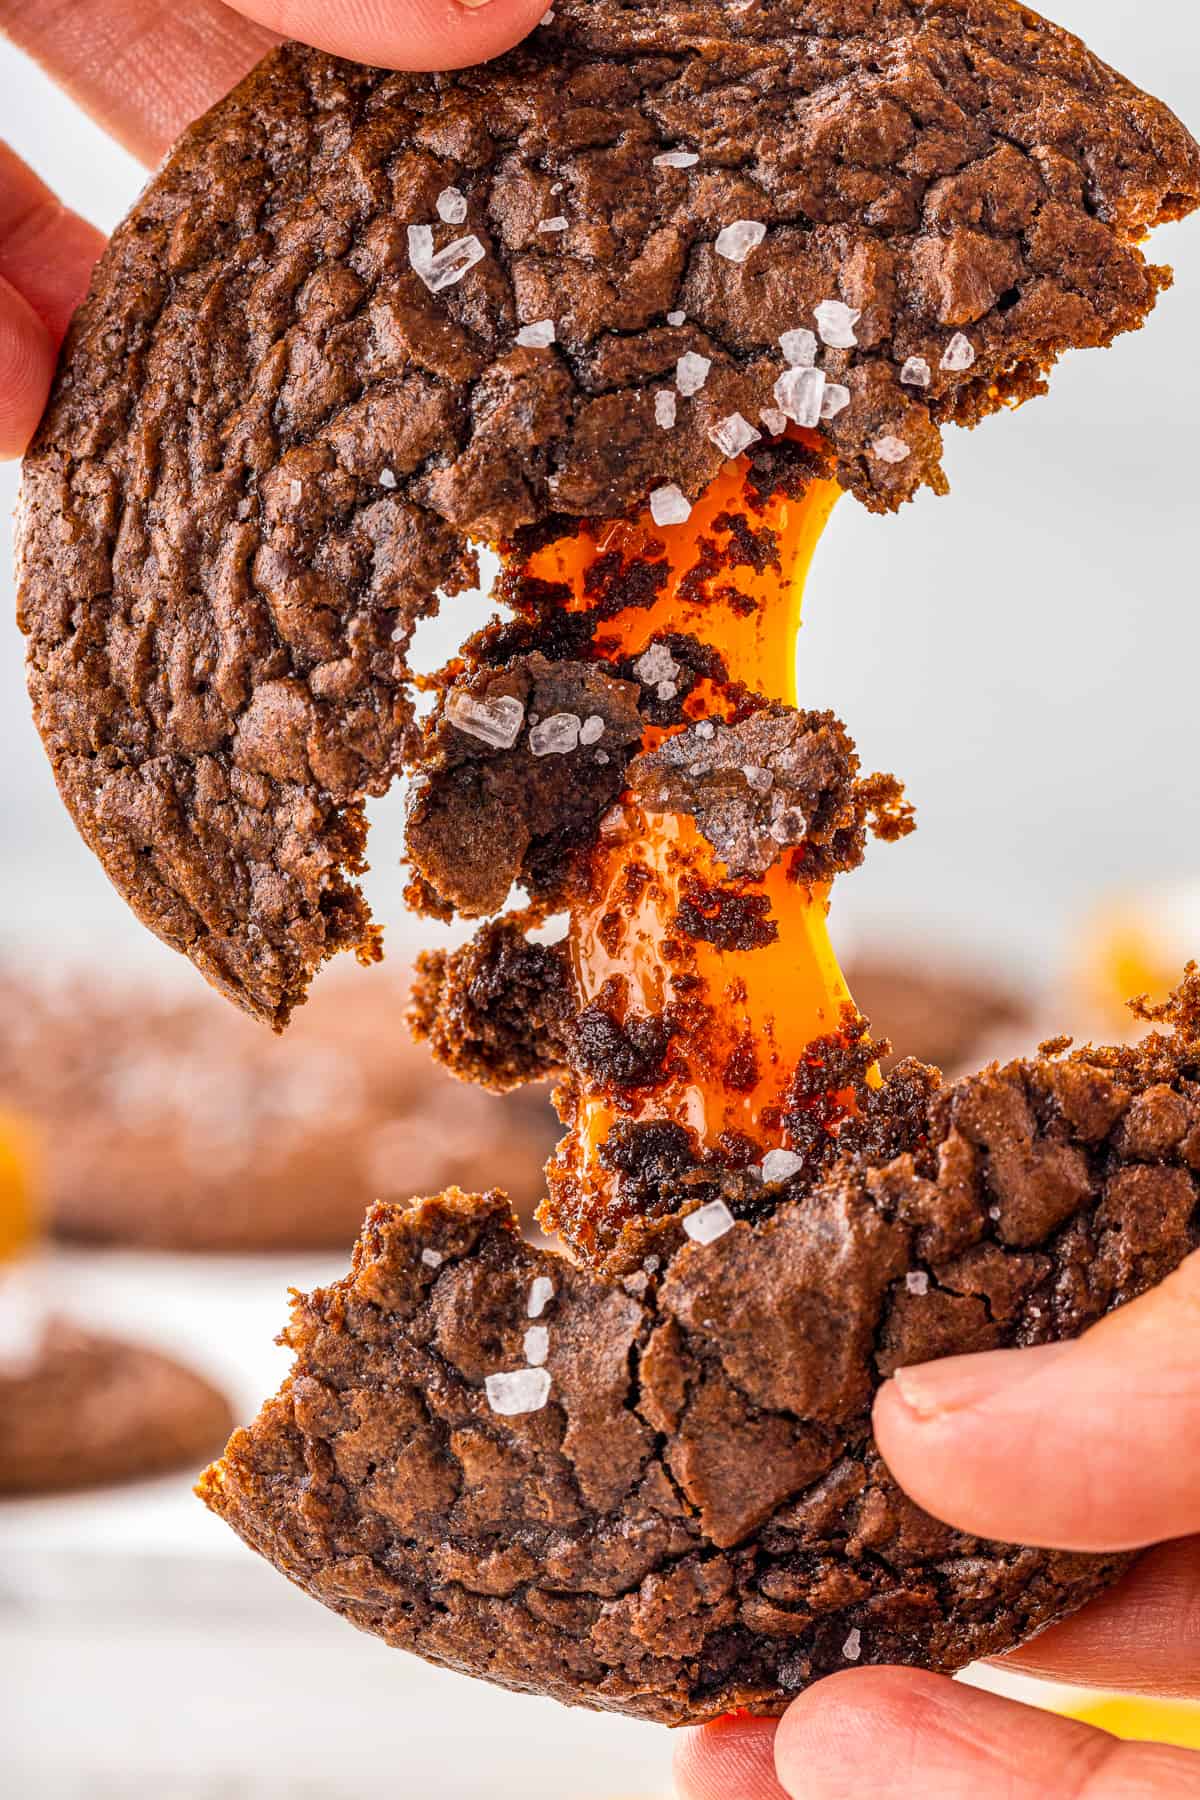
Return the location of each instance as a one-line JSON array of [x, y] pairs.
[[1025, 655]]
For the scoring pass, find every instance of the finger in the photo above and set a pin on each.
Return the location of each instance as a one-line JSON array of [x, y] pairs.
[[402, 34], [26, 368], [46, 251], [1141, 1637], [731, 1759], [1092, 1445], [143, 68], [896, 1733]]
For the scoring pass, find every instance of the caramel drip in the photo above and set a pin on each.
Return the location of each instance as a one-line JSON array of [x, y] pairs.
[[744, 1017]]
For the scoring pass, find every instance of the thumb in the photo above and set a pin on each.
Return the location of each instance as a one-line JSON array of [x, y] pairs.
[[1090, 1445], [402, 34]]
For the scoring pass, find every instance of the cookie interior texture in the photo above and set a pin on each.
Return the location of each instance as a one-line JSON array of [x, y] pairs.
[[688, 1513], [271, 443]]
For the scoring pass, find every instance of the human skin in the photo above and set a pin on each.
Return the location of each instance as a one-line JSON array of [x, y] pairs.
[[1091, 1446]]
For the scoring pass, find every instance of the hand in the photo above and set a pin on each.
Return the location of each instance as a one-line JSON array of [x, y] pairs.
[[1092, 1445], [145, 69]]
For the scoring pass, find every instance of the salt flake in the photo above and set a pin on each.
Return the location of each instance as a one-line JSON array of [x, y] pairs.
[[835, 323], [496, 722], [781, 1165], [669, 505], [891, 449], [541, 1292], [432, 1259], [518, 1391], [734, 434], [664, 408], [959, 354], [774, 420], [917, 1281], [547, 17], [656, 665], [691, 372], [799, 392], [760, 780], [452, 206], [916, 372], [592, 729], [709, 1222], [676, 159], [536, 1344], [676, 318], [447, 266], [852, 1648], [295, 492], [557, 223], [538, 336], [556, 736], [800, 347], [834, 400], [386, 478], [736, 241]]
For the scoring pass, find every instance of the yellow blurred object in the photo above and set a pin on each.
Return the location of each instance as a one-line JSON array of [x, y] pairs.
[[18, 1187], [1146, 1721], [1137, 943]]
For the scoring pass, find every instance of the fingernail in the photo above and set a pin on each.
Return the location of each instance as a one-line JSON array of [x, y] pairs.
[[931, 1390], [474, 5]]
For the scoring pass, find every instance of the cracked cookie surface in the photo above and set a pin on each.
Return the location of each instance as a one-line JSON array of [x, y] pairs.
[[658, 1493], [281, 415]]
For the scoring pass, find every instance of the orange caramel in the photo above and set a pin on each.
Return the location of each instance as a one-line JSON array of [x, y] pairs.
[[744, 1017]]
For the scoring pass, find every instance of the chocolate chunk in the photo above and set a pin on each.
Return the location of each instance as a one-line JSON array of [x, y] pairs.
[[688, 1514], [518, 768], [280, 419]]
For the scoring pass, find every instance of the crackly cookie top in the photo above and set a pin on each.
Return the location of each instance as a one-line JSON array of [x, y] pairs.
[[361, 318]]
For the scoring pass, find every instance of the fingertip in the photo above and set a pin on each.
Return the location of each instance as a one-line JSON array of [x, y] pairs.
[[731, 1759], [26, 370], [402, 34]]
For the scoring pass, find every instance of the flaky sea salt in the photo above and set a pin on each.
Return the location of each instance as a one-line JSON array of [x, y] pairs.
[[691, 372], [557, 223], [705, 729], [916, 372], [774, 420], [781, 1165], [835, 324], [736, 241], [852, 1648], [834, 400], [452, 206], [664, 408], [669, 505], [541, 1292], [496, 722], [676, 318], [536, 1344], [547, 17], [800, 347], [917, 1281], [667, 690], [798, 393], [709, 1222], [556, 736], [760, 780], [891, 449], [432, 1259], [295, 492], [789, 825], [592, 729], [518, 1391], [386, 478], [602, 756], [734, 434], [676, 159], [959, 354], [445, 267], [652, 1264], [993, 1212], [537, 336], [656, 665]]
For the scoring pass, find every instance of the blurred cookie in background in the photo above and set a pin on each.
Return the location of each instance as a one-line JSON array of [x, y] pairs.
[[1132, 943], [79, 1408], [171, 1122], [952, 1016]]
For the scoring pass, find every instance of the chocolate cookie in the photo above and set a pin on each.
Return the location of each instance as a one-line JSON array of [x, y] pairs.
[[91, 1409], [361, 319], [177, 1124], [658, 1493]]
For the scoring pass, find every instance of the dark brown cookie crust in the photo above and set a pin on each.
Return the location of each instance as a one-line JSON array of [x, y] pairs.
[[269, 441], [697, 1518], [93, 1409]]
